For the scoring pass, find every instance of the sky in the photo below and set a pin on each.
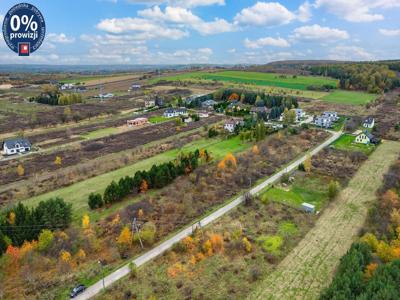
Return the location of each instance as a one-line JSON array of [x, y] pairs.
[[132, 32]]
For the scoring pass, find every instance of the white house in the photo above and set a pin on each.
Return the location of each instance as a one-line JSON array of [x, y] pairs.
[[67, 86], [14, 146], [299, 114], [369, 123], [175, 112], [333, 115], [324, 122], [231, 125], [366, 138]]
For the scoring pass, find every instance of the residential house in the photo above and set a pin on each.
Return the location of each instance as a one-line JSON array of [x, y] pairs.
[[231, 125], [203, 114], [67, 86], [323, 121], [175, 112], [135, 87], [208, 104], [260, 110], [366, 138], [137, 122], [18, 145], [300, 114], [331, 115], [149, 103], [369, 123]]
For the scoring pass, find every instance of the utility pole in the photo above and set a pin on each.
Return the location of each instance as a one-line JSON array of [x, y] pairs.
[[102, 272], [136, 228]]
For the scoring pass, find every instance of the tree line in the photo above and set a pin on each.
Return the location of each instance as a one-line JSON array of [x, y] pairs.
[[51, 95], [157, 177], [21, 223], [370, 77]]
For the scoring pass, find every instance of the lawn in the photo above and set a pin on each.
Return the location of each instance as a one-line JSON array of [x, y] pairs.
[[78, 193], [311, 189], [348, 97], [159, 119], [346, 142], [257, 78], [101, 133]]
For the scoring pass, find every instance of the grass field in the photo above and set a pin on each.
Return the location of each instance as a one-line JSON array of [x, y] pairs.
[[91, 80], [348, 97], [257, 78], [158, 119], [310, 189], [78, 193], [309, 267], [346, 142], [101, 133]]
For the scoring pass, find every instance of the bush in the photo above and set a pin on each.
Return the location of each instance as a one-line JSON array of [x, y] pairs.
[[148, 233], [212, 132], [95, 201], [333, 189]]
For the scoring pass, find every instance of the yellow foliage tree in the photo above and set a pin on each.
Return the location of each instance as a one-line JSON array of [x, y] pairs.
[[217, 243], [385, 252], [58, 161], [207, 248], [221, 165], [85, 222], [370, 270], [125, 238], [11, 218], [370, 240], [144, 186], [65, 256], [193, 260], [200, 256], [81, 255], [189, 244], [247, 245], [255, 150], [175, 270], [308, 164], [140, 213], [20, 170]]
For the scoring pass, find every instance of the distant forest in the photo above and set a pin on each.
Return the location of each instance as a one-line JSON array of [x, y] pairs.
[[371, 77]]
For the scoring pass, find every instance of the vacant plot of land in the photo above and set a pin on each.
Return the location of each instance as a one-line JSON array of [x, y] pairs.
[[346, 142], [348, 97], [310, 189], [78, 193], [310, 266], [93, 80], [256, 78]]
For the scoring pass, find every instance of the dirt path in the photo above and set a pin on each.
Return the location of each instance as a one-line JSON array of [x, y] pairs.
[[310, 266]]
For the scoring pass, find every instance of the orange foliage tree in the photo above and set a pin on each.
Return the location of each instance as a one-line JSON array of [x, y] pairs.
[[144, 186], [233, 97]]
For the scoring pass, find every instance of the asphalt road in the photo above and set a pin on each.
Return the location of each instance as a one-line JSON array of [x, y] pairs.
[[160, 249]]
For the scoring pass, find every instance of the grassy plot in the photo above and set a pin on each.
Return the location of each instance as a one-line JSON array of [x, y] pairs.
[[257, 78], [78, 193], [101, 133], [310, 188], [159, 119], [347, 142], [348, 97]]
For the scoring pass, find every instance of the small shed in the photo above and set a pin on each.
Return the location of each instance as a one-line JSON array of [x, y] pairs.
[[307, 207]]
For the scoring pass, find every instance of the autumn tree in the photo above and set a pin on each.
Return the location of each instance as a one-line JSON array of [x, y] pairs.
[[144, 186], [217, 243], [45, 240], [207, 248], [333, 189], [124, 240], [230, 161], [247, 245], [255, 150], [308, 164], [20, 170], [233, 97], [58, 161], [85, 222]]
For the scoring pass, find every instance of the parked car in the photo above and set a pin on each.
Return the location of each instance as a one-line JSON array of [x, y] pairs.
[[77, 290]]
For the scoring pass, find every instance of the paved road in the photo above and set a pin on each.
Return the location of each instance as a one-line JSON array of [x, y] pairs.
[[160, 249]]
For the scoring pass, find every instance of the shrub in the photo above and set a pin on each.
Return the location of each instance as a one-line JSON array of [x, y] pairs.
[[333, 189], [45, 240], [95, 201], [148, 233]]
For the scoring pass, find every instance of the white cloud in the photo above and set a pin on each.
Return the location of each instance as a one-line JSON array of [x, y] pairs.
[[352, 53], [265, 14], [357, 10], [1, 18], [180, 3], [304, 13], [390, 32], [145, 29], [59, 38], [318, 33], [206, 51], [232, 51], [184, 16], [267, 41]]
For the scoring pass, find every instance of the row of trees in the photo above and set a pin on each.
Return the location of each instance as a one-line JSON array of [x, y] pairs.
[[371, 77], [158, 176], [255, 98], [52, 96], [21, 223]]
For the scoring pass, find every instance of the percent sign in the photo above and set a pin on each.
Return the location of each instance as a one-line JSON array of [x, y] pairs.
[[16, 22]]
